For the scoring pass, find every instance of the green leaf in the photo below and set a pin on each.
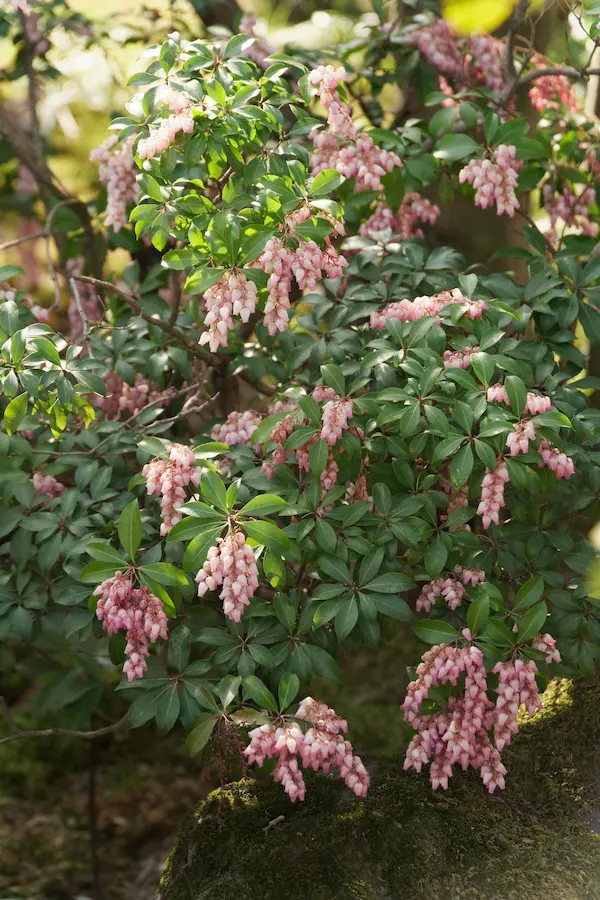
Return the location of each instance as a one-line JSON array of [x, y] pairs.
[[346, 618], [198, 548], [435, 631], [325, 536], [213, 490], [274, 569], [334, 378], [191, 527], [334, 567], [390, 583], [47, 350], [484, 366], [318, 455], [264, 505], [131, 529], [552, 418], [268, 534], [199, 736], [529, 593], [8, 272], [105, 553], [15, 412], [532, 622], [478, 613], [237, 45], [256, 691], [461, 466], [325, 183], [165, 573], [435, 557], [452, 147], [179, 648], [393, 607], [96, 572], [288, 690], [446, 448], [228, 689], [517, 394], [199, 281]]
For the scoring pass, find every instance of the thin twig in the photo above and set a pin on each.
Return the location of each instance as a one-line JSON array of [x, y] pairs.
[[176, 299], [79, 305], [17, 734], [22, 240]]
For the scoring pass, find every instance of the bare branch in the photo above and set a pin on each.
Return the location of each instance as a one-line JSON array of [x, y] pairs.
[[17, 734], [22, 240]]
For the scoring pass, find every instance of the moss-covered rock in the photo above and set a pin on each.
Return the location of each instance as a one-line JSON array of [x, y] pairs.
[[533, 841]]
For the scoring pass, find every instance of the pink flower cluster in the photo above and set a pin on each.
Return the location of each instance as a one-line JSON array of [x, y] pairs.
[[336, 414], [166, 134], [279, 454], [238, 428], [518, 440], [470, 576], [459, 359], [546, 644], [116, 170], [438, 44], [571, 208], [47, 485], [230, 563], [452, 590], [486, 64], [232, 295], [551, 91], [169, 478], [135, 611], [516, 687], [327, 79], [492, 494], [413, 209], [460, 733], [123, 398], [494, 179], [362, 160], [411, 310], [559, 463], [536, 403], [320, 747], [308, 264]]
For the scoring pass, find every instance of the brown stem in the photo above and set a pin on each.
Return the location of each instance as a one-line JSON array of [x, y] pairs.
[[18, 734]]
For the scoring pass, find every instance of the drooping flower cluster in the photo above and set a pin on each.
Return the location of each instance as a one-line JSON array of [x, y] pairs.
[[413, 209], [232, 564], [169, 478], [559, 463], [518, 440], [535, 404], [232, 295], [137, 612], [494, 179], [516, 687], [459, 359], [546, 644], [486, 63], [116, 170], [238, 428], [438, 44], [362, 160], [551, 91], [307, 263], [452, 590], [411, 310], [47, 485], [320, 747], [336, 414], [122, 397], [492, 494], [182, 120], [327, 79], [571, 209], [459, 733], [285, 428]]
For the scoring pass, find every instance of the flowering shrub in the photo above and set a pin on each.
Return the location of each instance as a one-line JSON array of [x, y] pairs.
[[420, 448]]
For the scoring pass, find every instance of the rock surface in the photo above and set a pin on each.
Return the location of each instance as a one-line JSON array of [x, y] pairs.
[[534, 841]]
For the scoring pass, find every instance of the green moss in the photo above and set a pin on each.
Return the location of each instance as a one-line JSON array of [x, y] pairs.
[[534, 841]]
